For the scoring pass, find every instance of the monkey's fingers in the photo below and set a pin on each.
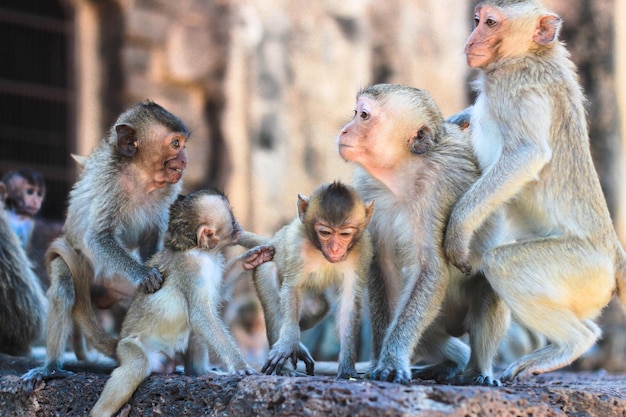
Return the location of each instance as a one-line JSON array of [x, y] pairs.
[[305, 356], [152, 282], [274, 364]]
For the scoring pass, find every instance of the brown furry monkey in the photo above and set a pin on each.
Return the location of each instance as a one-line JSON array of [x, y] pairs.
[[326, 246], [159, 324], [23, 304], [416, 166], [117, 215], [528, 126]]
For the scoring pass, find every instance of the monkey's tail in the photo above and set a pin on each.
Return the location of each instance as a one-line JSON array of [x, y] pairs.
[[620, 276], [82, 278], [249, 240]]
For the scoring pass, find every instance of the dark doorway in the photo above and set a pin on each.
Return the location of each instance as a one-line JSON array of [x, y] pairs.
[[37, 95]]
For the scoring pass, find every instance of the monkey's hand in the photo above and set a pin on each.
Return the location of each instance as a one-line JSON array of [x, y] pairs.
[[283, 351], [247, 371], [152, 281], [257, 256], [461, 119], [457, 246]]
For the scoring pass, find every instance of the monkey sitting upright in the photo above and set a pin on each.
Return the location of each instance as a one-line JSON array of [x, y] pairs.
[[416, 167], [116, 218], [159, 324], [326, 245]]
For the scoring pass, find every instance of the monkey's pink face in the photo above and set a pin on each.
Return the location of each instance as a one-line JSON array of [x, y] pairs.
[[335, 242], [369, 139], [482, 44], [173, 159]]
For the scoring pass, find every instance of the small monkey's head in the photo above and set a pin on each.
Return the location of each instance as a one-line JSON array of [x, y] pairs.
[[510, 29], [25, 191], [392, 124], [153, 139], [334, 217], [202, 219]]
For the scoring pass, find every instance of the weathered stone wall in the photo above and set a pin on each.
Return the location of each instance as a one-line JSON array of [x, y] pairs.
[[265, 85]]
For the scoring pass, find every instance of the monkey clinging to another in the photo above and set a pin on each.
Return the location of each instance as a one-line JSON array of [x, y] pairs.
[[116, 218], [528, 127], [327, 246], [159, 324]]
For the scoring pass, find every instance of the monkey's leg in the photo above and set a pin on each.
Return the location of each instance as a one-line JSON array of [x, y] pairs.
[[85, 317], [487, 320], [449, 354], [196, 357], [59, 325], [134, 368], [556, 287]]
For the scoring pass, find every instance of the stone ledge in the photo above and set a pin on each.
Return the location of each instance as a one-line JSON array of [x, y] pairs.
[[554, 394]]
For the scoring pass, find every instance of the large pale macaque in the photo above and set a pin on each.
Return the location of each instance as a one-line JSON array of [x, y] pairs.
[[23, 304], [416, 167], [327, 246], [116, 218], [563, 261], [185, 309]]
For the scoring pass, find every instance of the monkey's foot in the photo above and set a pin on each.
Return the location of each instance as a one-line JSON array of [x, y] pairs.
[[392, 373], [474, 379], [125, 411], [441, 372], [45, 373], [347, 373]]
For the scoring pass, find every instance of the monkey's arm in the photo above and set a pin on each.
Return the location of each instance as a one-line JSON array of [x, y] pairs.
[[288, 346], [249, 240], [525, 150], [102, 244], [416, 310], [244, 262]]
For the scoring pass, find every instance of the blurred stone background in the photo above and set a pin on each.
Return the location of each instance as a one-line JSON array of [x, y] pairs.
[[265, 86]]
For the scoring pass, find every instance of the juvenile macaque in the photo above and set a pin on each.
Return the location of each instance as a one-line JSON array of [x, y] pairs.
[[528, 127], [416, 166], [117, 215], [159, 324], [23, 304], [327, 246], [25, 189]]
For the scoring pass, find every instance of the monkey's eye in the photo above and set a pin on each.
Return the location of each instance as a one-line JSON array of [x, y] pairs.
[[324, 233], [476, 20], [490, 22], [175, 143], [364, 115]]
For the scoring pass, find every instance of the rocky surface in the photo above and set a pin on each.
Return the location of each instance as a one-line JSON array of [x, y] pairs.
[[554, 394]]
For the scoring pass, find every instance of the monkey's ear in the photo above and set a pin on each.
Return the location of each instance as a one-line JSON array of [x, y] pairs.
[[303, 205], [126, 139], [547, 29], [422, 141], [369, 210], [207, 238]]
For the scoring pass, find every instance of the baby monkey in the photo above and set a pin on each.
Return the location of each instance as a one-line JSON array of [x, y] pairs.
[[326, 246], [184, 310]]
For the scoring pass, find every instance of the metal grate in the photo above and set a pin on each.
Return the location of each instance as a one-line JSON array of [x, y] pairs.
[[37, 94]]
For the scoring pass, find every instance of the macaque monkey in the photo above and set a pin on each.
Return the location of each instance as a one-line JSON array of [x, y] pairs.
[[26, 191], [563, 261], [416, 166], [117, 215], [23, 303], [326, 246], [159, 324]]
